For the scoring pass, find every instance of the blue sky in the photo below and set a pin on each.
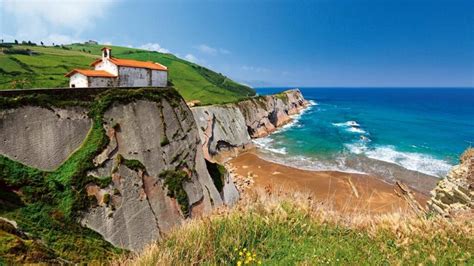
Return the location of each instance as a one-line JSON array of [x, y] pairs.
[[274, 43]]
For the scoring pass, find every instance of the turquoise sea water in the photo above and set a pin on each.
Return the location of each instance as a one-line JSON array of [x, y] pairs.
[[424, 130]]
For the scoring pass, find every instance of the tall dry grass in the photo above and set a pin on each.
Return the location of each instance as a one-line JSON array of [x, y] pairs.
[[287, 229]]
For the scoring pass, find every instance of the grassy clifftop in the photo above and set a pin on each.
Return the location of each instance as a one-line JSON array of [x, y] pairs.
[[45, 67]]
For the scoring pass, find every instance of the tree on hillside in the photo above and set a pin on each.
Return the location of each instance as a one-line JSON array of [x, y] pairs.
[[42, 44], [16, 41]]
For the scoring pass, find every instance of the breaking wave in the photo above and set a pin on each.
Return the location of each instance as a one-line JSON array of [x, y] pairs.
[[419, 162]]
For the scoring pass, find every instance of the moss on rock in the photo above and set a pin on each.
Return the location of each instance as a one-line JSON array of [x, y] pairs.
[[174, 182]]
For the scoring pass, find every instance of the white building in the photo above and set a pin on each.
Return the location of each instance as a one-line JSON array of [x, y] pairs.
[[114, 72]]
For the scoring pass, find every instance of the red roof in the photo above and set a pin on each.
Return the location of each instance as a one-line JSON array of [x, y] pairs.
[[91, 73], [134, 63]]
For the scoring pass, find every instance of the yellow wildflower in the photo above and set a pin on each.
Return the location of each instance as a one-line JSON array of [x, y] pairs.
[[239, 263], [240, 253]]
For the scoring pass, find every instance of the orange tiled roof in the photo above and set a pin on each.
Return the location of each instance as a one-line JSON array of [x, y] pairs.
[[91, 73], [134, 63]]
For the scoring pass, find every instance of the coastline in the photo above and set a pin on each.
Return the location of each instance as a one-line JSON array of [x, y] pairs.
[[345, 191], [341, 191]]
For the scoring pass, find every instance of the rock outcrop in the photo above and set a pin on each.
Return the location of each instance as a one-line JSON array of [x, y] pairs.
[[222, 129], [42, 137], [230, 127], [137, 209], [146, 175], [130, 164], [455, 193], [263, 115]]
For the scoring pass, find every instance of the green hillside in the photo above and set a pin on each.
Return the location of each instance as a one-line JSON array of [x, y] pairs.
[[25, 66]]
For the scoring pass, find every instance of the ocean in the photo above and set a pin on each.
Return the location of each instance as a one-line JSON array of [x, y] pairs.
[[376, 130]]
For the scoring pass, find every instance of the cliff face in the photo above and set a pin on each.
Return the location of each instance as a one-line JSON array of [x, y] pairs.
[[230, 127], [455, 192], [264, 114], [222, 129], [135, 208], [41, 137], [129, 165]]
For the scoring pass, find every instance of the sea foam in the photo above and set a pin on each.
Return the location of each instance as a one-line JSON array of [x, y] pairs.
[[350, 126], [419, 162]]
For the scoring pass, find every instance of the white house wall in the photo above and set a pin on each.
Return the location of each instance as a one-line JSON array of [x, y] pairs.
[[102, 82], [134, 77], [78, 80], [108, 66], [159, 78]]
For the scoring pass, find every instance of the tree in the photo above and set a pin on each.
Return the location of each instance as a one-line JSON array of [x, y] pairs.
[[16, 41], [42, 44]]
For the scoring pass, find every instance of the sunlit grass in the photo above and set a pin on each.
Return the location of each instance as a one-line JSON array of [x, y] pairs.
[[297, 231]]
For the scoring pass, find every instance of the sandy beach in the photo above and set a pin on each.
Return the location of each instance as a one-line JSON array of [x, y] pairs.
[[341, 191]]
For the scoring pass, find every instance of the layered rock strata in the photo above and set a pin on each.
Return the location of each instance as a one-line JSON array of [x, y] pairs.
[[150, 177], [455, 193], [229, 128], [40, 137]]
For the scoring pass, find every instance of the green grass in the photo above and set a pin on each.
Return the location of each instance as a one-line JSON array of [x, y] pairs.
[[294, 232], [47, 69], [174, 182]]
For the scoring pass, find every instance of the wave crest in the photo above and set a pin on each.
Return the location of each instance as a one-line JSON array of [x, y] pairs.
[[419, 162]]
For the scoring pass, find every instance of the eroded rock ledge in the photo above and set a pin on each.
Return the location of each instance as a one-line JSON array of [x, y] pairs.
[[228, 129], [455, 193]]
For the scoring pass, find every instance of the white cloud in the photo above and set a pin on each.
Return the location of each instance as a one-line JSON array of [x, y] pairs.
[[224, 51], [60, 39], [206, 49], [255, 69], [154, 47], [60, 20], [191, 58]]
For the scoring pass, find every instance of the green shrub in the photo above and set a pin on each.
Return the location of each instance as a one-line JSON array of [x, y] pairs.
[[174, 180]]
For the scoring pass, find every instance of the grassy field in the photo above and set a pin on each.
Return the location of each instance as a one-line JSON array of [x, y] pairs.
[[47, 65], [295, 231]]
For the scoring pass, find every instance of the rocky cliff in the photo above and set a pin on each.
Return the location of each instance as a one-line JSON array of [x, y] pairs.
[[455, 193], [138, 206], [127, 164], [229, 128]]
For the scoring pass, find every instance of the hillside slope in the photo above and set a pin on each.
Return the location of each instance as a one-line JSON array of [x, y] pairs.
[[45, 67]]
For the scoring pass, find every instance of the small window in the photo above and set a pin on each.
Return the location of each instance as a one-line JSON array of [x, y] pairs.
[[73, 85]]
